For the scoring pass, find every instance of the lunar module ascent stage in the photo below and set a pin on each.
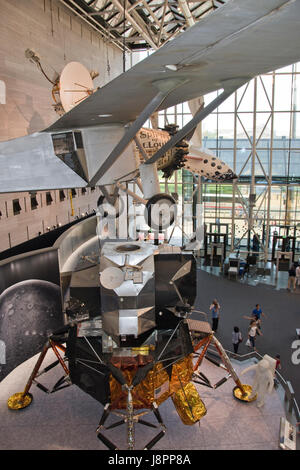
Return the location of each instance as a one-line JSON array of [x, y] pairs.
[[141, 349]]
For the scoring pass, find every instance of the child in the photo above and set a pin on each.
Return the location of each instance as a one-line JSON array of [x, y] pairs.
[[252, 332], [236, 339], [277, 367]]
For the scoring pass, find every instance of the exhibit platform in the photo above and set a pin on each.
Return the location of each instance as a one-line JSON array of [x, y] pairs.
[[67, 420]]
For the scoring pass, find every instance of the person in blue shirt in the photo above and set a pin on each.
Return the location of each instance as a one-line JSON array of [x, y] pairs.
[[215, 314], [257, 313]]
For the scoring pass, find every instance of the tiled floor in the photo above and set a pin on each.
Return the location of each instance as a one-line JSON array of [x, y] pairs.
[[68, 418]]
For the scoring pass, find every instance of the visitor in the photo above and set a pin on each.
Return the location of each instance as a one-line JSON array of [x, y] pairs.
[[255, 244], [277, 367], [215, 314], [236, 339], [257, 313], [292, 279], [298, 275], [278, 362], [252, 332]]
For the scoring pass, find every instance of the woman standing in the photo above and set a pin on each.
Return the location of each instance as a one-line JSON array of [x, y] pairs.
[[215, 314], [236, 339]]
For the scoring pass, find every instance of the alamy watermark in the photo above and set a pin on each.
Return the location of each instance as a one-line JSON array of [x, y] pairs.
[[121, 222], [2, 92], [2, 353], [296, 354]]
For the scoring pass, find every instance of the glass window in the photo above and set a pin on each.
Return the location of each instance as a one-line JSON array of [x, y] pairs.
[[16, 207], [264, 93], [33, 202], [48, 199], [283, 88], [282, 125], [245, 97]]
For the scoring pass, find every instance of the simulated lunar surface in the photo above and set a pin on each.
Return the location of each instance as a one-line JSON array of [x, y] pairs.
[[29, 312]]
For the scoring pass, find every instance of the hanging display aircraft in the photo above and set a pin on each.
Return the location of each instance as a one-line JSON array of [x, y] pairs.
[[136, 350]]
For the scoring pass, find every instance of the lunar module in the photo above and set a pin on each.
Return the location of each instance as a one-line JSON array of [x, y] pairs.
[[140, 343]]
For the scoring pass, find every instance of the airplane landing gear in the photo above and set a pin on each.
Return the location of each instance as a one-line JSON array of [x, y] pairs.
[[160, 211]]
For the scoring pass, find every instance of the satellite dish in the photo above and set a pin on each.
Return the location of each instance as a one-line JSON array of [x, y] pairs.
[[112, 278], [75, 85]]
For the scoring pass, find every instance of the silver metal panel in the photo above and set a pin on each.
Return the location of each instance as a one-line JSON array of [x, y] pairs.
[[98, 143], [77, 241], [130, 289], [150, 181], [186, 268], [110, 322], [131, 321], [241, 39], [110, 252], [30, 163], [86, 277], [128, 322]]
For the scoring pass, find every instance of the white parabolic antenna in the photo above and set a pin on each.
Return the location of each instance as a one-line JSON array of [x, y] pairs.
[[75, 85]]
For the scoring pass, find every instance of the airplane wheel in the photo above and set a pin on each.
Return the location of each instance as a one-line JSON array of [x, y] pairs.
[[18, 401], [108, 210], [237, 393], [160, 211]]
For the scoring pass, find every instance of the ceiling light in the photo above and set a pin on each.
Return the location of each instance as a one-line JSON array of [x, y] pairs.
[[104, 115], [172, 67]]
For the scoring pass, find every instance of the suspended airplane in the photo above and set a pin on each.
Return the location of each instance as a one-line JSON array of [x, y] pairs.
[[136, 347]]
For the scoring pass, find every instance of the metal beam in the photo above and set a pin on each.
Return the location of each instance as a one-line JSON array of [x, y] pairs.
[[162, 22], [91, 22], [192, 124], [187, 12], [134, 23]]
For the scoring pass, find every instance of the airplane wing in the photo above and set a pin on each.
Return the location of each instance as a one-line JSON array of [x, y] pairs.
[[237, 42], [241, 39]]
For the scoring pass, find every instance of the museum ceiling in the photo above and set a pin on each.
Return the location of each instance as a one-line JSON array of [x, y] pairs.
[[141, 24]]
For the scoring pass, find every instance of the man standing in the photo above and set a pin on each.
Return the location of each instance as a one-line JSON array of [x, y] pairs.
[[215, 314], [257, 312], [256, 315], [292, 279]]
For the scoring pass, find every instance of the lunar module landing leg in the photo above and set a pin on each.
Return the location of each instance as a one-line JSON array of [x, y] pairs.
[[23, 399], [130, 418], [241, 391]]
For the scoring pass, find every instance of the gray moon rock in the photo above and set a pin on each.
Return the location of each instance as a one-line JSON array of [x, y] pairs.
[[29, 312]]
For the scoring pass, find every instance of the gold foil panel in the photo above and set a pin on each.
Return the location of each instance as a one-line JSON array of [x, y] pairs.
[[155, 387], [182, 373], [188, 404]]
